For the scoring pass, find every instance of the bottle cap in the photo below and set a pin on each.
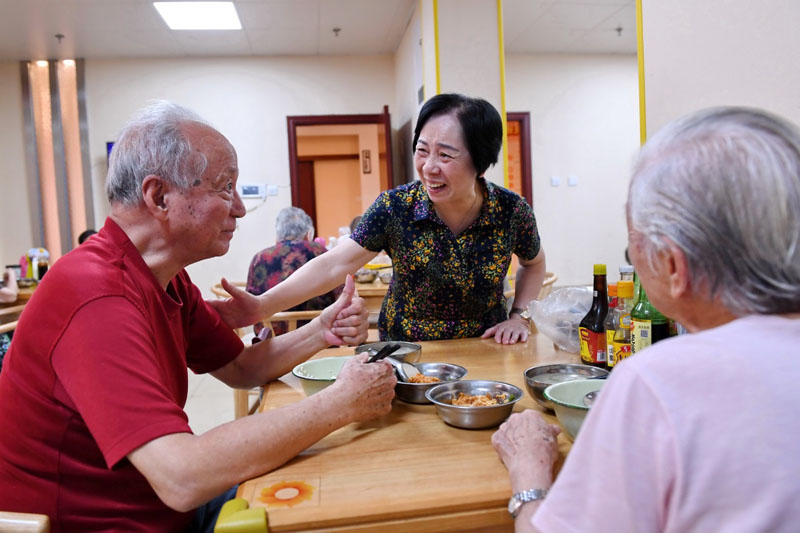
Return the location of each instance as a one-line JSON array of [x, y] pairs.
[[612, 290], [599, 269], [625, 289], [625, 269]]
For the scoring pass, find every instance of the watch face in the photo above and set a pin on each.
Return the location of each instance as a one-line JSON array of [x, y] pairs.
[[513, 506]]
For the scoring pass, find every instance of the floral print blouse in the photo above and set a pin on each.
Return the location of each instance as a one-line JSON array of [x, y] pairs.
[[276, 263], [446, 286]]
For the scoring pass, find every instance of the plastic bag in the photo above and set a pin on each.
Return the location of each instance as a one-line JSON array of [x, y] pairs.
[[559, 315]]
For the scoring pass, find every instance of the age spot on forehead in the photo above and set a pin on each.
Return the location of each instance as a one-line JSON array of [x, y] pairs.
[[197, 182]]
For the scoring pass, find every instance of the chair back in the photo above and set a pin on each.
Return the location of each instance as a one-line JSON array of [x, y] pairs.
[[291, 317], [547, 286]]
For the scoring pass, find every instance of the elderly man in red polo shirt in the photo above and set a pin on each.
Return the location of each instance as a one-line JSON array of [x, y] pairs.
[[92, 427]]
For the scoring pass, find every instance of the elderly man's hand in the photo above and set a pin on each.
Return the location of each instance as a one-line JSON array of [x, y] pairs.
[[366, 388], [347, 319], [528, 447], [240, 310]]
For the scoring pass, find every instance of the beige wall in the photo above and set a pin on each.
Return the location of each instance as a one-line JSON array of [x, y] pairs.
[[584, 123], [248, 100], [338, 192], [720, 52], [15, 219]]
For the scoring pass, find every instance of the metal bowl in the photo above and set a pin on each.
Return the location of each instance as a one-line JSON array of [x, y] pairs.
[[473, 417], [415, 392], [538, 378], [385, 276], [364, 275], [409, 351]]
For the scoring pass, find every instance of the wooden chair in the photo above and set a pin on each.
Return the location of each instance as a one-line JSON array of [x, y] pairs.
[[549, 279], [8, 326], [23, 523]]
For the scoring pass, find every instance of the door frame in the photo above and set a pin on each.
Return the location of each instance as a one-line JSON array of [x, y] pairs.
[[524, 118], [327, 120]]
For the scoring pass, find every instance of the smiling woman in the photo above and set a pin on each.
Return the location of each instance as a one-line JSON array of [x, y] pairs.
[[451, 236]]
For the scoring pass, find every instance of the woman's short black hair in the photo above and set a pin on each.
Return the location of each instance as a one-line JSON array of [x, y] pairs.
[[480, 122]]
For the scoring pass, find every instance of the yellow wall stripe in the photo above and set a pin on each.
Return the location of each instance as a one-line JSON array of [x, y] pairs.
[[436, 45], [502, 63], [640, 55]]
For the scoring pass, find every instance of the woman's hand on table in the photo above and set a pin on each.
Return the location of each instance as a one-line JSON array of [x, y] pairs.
[[528, 446], [515, 329], [367, 388], [240, 310]]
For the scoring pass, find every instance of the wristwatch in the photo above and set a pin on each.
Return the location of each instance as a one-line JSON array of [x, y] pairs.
[[520, 498], [521, 312]]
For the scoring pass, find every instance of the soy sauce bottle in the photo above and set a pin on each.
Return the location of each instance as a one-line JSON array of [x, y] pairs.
[[591, 329]]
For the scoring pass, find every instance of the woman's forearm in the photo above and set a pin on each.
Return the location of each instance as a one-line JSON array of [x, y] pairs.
[[318, 276], [530, 276]]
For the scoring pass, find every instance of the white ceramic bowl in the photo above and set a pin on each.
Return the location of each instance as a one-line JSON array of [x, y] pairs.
[[316, 374], [567, 401]]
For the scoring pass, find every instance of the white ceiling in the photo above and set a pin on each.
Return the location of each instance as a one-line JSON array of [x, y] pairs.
[[133, 28]]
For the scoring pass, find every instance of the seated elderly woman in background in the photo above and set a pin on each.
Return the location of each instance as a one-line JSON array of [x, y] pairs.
[[295, 247], [450, 235], [699, 432]]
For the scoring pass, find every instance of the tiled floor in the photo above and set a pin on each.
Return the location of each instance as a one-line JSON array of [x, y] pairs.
[[210, 402]]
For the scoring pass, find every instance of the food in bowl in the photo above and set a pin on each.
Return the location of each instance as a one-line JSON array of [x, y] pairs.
[[568, 402], [415, 392], [422, 378], [538, 378], [316, 374], [479, 400], [474, 417], [365, 275]]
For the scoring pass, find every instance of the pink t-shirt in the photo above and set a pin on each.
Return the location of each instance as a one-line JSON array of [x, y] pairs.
[[697, 433], [97, 368]]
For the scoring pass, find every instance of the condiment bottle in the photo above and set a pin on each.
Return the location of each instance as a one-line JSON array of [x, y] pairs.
[[622, 316], [610, 324], [591, 332], [648, 324]]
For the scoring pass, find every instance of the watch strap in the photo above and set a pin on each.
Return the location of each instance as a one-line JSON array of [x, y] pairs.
[[520, 498]]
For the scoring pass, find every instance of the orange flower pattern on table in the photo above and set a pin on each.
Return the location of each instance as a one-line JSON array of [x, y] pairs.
[[286, 493], [445, 286]]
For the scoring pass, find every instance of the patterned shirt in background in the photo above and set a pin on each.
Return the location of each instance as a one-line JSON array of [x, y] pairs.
[[446, 286], [276, 263]]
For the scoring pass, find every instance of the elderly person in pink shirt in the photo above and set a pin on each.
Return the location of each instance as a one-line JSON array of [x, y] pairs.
[[699, 432]]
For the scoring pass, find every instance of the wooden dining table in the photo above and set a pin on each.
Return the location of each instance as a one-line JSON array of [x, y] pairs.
[[407, 471], [373, 294]]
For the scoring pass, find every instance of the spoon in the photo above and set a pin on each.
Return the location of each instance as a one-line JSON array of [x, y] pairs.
[[403, 369], [589, 398]]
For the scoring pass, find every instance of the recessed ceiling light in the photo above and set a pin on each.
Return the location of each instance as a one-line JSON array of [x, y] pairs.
[[69, 62], [199, 15], [41, 63]]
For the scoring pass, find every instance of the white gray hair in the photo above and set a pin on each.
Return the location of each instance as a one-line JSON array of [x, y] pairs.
[[292, 224], [152, 142], [723, 184]]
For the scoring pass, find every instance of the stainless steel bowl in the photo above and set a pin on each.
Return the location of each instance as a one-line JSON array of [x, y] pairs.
[[408, 351], [365, 275], [538, 378], [385, 276], [415, 392], [473, 417]]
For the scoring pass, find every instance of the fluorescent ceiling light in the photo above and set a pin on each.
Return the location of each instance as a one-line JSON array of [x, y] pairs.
[[199, 15]]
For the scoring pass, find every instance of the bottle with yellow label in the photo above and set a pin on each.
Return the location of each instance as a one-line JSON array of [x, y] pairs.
[[591, 332], [622, 316], [610, 324]]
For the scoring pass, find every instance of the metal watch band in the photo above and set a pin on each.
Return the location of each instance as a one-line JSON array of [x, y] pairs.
[[517, 500]]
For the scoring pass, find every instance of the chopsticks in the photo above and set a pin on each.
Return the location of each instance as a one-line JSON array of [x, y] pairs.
[[384, 352]]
